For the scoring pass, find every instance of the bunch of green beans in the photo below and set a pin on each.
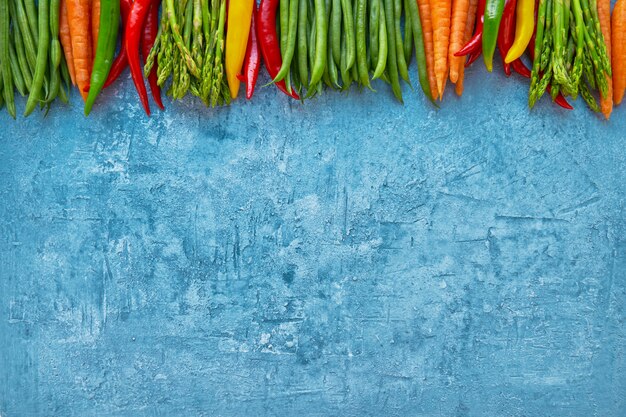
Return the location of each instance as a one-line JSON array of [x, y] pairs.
[[189, 49], [31, 59], [337, 43]]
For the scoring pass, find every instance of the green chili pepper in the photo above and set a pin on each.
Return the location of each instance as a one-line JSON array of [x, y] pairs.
[[105, 51], [491, 25]]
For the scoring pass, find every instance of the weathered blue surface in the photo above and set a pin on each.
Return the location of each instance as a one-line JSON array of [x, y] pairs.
[[349, 257]]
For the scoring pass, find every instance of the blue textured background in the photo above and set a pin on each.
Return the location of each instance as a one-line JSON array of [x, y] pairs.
[[348, 257]]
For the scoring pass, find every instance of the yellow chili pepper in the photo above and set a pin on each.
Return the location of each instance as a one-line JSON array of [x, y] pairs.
[[239, 21], [524, 27]]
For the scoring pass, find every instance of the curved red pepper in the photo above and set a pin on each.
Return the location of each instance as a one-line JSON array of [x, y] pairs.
[[252, 62], [121, 60], [472, 57], [134, 29], [147, 41], [475, 42], [268, 41], [521, 68], [506, 34]]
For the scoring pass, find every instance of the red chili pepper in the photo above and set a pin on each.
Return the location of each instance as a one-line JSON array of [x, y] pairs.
[[121, 60], [268, 41], [472, 57], [252, 62], [147, 41], [521, 68], [506, 33], [560, 98], [475, 43], [133, 32]]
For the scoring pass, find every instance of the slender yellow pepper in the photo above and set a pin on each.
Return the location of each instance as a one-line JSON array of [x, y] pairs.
[[239, 21], [524, 27]]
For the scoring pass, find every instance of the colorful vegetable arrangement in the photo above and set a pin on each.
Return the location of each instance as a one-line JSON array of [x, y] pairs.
[[208, 48]]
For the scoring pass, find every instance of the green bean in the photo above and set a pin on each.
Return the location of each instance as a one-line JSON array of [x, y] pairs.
[[303, 67], [335, 30], [19, 48], [381, 64], [343, 65], [1, 88], [361, 45], [373, 31], [312, 35], [392, 56], [18, 79], [321, 41], [31, 13], [291, 36], [326, 76], [332, 69], [348, 26], [283, 23], [408, 35], [62, 92], [401, 62], [55, 86], [42, 58], [5, 66], [355, 70], [420, 54], [65, 73], [295, 76], [29, 43], [55, 50]]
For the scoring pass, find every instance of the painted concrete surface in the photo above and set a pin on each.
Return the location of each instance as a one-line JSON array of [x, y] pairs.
[[348, 257]]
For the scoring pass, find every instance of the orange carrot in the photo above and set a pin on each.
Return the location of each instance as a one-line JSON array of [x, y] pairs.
[[95, 23], [618, 57], [604, 13], [469, 29], [78, 14], [66, 40], [427, 31], [440, 13], [460, 16]]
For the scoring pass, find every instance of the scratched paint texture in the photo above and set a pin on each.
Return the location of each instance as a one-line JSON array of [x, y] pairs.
[[348, 257]]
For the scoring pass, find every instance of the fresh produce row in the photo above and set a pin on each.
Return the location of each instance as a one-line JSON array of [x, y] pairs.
[[208, 48]]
